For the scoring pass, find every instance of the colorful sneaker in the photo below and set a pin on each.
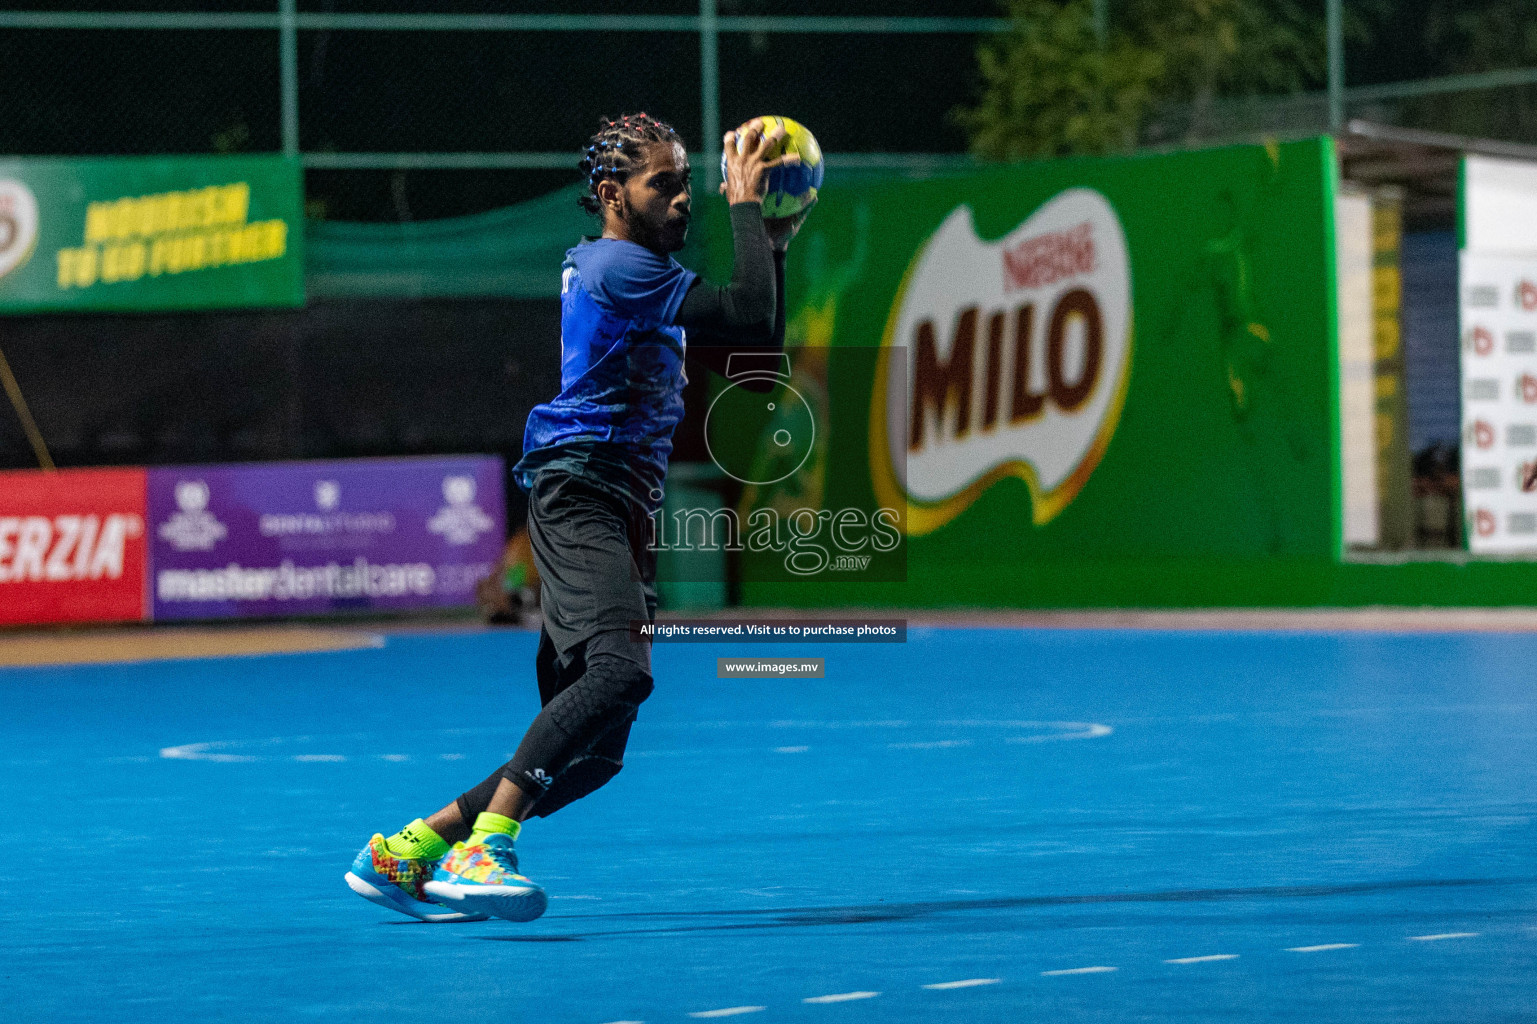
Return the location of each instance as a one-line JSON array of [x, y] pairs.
[[380, 877], [484, 879]]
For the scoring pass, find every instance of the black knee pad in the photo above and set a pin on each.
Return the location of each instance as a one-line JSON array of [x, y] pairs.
[[607, 694], [631, 684]]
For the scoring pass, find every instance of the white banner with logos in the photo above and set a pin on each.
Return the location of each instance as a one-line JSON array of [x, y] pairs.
[[1499, 401], [1358, 367]]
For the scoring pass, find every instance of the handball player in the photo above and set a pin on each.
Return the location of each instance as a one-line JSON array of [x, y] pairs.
[[594, 461]]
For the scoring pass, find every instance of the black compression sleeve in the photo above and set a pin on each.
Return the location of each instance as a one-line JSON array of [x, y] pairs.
[[778, 340], [745, 309]]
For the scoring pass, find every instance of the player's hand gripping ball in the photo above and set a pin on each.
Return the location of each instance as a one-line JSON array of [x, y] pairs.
[[792, 188]]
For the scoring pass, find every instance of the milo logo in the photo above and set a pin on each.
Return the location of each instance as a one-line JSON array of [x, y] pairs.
[[1018, 356], [18, 224]]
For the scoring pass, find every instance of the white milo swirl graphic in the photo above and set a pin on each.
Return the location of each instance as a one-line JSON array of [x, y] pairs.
[[1018, 352]]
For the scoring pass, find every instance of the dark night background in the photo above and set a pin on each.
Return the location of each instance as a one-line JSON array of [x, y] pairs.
[[383, 377], [120, 92]]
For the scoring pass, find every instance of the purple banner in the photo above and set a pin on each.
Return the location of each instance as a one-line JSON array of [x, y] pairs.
[[305, 538]]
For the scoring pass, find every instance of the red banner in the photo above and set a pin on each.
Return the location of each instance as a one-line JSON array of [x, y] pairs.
[[72, 546]]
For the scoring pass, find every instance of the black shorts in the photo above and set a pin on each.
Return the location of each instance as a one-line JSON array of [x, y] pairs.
[[597, 570]]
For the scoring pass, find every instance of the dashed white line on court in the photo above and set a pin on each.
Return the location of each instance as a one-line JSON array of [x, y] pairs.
[[844, 997], [730, 1011], [841, 997]]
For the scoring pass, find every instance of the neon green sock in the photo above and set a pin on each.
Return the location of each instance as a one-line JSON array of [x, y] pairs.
[[486, 823], [417, 841]]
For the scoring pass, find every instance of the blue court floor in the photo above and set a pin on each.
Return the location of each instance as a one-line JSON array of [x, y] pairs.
[[979, 825]]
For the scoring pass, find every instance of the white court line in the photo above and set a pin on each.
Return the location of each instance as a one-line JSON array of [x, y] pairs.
[[791, 750], [841, 997], [931, 745], [1080, 731], [884, 723], [1443, 935], [626, 1022], [319, 757], [1202, 959], [1078, 970], [730, 1011], [1322, 948], [968, 983], [200, 752]]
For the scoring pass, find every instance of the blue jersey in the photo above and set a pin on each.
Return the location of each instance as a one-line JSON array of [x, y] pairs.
[[621, 371]]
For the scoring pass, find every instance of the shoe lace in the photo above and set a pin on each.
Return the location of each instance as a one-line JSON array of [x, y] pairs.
[[504, 855]]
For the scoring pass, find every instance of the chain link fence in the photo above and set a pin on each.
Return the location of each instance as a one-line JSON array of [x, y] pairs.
[[79, 92], [1503, 113], [409, 111]]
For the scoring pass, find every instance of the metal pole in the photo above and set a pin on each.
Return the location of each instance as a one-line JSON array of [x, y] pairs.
[[1101, 20], [709, 91], [28, 424], [1336, 30], [288, 50]]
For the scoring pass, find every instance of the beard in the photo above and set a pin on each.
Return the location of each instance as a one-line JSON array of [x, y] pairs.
[[666, 233]]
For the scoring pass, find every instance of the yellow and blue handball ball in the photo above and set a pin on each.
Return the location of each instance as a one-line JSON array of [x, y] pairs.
[[791, 187]]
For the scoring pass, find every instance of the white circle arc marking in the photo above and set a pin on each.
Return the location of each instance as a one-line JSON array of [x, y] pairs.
[[1066, 731], [841, 997], [202, 752], [729, 1011], [216, 751]]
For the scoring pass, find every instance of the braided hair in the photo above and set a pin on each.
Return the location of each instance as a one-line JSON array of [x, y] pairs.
[[615, 151]]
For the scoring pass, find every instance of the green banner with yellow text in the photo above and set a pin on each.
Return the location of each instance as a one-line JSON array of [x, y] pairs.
[[150, 233]]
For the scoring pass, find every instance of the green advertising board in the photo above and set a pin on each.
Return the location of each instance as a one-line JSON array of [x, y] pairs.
[[1077, 382], [150, 233]]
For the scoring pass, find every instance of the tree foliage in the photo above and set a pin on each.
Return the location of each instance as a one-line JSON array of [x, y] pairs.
[[1469, 37], [1232, 47], [1050, 87], [1472, 37]]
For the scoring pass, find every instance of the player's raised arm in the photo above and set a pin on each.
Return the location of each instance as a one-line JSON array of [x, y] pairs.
[[749, 310]]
